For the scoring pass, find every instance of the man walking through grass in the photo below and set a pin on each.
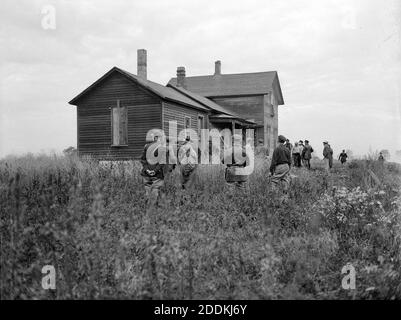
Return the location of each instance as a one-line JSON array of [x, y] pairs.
[[296, 155], [153, 171], [280, 165], [288, 144], [240, 163], [307, 154], [343, 157], [188, 158], [327, 156]]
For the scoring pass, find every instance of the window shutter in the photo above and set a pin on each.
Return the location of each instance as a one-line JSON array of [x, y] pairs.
[[124, 125], [120, 126], [116, 125]]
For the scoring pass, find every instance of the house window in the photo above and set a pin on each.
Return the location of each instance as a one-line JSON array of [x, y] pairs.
[[119, 121]]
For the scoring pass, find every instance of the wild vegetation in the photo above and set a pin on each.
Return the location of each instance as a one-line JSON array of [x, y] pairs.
[[90, 221]]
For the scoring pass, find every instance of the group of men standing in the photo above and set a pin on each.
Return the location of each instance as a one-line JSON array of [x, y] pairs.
[[238, 158], [301, 153], [328, 156], [237, 172], [154, 172], [285, 155]]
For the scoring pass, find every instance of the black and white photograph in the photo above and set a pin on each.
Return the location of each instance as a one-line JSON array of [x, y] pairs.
[[211, 151]]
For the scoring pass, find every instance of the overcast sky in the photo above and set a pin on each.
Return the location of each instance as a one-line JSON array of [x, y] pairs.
[[339, 62]]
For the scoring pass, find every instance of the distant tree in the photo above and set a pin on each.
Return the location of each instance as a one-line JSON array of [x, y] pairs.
[[386, 154], [70, 151]]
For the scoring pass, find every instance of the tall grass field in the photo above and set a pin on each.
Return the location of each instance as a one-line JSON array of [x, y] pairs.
[[89, 220]]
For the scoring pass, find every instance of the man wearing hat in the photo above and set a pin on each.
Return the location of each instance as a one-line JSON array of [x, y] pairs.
[[188, 159], [343, 157], [328, 156], [280, 165], [307, 154], [288, 144], [240, 163], [153, 170]]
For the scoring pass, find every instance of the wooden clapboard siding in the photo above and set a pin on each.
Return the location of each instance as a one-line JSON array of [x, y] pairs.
[[175, 112], [94, 118], [141, 119], [248, 107], [262, 109], [116, 86]]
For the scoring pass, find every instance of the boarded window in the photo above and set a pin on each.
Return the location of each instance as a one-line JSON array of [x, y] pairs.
[[119, 117]]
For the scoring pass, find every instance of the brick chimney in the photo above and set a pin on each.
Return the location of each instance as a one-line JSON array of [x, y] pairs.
[[142, 64], [217, 68], [181, 82]]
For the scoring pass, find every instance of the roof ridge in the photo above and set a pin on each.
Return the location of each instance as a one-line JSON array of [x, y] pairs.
[[231, 84]]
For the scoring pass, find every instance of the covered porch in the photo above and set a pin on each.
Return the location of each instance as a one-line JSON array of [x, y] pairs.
[[224, 121]]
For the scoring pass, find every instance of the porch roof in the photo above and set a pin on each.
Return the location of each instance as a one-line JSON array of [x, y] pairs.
[[224, 118]]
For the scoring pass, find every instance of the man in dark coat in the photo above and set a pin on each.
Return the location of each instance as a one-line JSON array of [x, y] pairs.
[[281, 164], [188, 159], [343, 157], [288, 144], [240, 163], [327, 155], [153, 171], [307, 154]]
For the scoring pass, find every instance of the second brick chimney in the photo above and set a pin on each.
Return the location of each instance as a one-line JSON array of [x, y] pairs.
[[217, 67], [181, 81], [142, 64]]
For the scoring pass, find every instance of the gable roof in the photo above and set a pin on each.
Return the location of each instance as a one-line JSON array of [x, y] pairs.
[[234, 84], [161, 91]]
